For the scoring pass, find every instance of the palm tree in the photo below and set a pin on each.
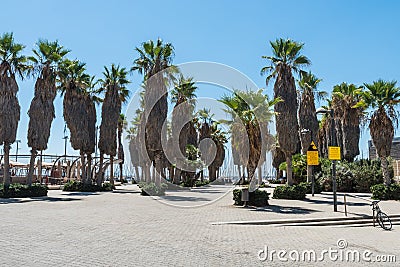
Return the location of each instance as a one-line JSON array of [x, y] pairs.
[[114, 84], [79, 110], [11, 63], [154, 57], [251, 109], [344, 97], [182, 125], [308, 84], [382, 97], [46, 60], [122, 124], [286, 59]]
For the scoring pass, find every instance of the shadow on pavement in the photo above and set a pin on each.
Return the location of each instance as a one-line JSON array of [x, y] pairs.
[[80, 193], [39, 199], [330, 201], [182, 198], [284, 209]]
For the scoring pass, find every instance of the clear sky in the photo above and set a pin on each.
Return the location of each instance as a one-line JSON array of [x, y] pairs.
[[347, 41]]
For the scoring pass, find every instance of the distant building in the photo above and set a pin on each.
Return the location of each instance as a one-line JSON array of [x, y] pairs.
[[394, 152]]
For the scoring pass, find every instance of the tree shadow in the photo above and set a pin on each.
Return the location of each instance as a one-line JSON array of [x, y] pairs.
[[184, 198], [80, 193], [35, 199], [329, 201], [283, 209]]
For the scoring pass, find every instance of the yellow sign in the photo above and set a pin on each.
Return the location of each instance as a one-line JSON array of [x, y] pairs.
[[312, 158], [312, 147], [334, 153]]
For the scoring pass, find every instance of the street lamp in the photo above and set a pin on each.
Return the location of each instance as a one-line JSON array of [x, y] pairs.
[[333, 143], [16, 153]]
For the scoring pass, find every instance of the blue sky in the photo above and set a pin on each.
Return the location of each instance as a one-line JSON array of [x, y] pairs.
[[351, 41]]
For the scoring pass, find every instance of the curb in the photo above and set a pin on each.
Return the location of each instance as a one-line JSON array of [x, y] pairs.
[[331, 221]]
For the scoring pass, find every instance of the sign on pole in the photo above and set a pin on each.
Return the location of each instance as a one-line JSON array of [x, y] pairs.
[[312, 154], [334, 153]]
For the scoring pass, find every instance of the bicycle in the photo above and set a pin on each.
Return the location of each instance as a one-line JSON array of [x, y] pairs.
[[381, 217]]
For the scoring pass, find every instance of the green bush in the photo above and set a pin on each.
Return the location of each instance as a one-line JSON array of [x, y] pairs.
[[291, 192], [356, 176], [200, 183], [152, 189], [78, 186], [21, 191], [308, 185], [258, 198], [383, 192]]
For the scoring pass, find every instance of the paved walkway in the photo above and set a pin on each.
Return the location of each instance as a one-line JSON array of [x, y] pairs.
[[123, 228]]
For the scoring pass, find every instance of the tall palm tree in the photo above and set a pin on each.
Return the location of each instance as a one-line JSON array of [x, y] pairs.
[[78, 109], [122, 125], [253, 109], [114, 83], [154, 57], [344, 97], [381, 97], [308, 84], [11, 63], [182, 125], [286, 59], [46, 60]]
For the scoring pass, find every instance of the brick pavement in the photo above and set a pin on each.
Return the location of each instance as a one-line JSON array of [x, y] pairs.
[[125, 229]]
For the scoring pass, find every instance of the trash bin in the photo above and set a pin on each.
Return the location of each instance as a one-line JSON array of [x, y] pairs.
[[245, 194]]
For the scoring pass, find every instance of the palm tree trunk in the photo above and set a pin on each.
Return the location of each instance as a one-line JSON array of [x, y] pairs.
[[89, 169], [39, 175], [83, 167], [112, 170], [31, 166], [385, 171], [137, 174], [146, 172], [289, 172], [6, 166], [100, 172], [240, 174], [177, 176], [121, 177], [259, 176]]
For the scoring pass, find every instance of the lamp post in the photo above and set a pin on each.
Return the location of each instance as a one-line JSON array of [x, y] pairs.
[[16, 152], [65, 146], [96, 141], [333, 143]]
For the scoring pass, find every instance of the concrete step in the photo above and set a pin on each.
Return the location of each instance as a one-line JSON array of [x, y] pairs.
[[394, 220], [310, 221]]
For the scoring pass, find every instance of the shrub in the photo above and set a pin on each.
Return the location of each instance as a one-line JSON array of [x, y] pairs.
[[258, 198], [200, 183], [383, 192], [20, 191], [263, 185], [152, 189], [317, 187], [291, 192], [78, 186], [356, 176]]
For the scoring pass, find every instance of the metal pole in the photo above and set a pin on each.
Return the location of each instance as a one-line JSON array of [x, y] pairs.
[[16, 153], [333, 141]]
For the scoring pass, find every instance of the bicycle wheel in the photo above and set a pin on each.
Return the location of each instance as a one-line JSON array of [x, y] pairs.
[[384, 221]]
